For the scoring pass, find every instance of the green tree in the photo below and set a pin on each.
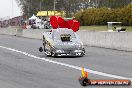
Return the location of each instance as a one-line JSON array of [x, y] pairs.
[[100, 16]]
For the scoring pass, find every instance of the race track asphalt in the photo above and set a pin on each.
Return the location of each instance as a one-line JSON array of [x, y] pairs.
[[21, 71]]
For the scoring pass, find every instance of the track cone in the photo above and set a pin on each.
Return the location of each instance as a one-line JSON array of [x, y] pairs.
[[84, 73], [83, 80]]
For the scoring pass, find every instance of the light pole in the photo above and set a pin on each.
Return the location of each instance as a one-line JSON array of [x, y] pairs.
[[96, 3], [40, 4], [28, 10], [12, 9], [54, 6], [89, 0]]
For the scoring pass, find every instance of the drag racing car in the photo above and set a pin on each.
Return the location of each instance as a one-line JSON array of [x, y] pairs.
[[62, 40]]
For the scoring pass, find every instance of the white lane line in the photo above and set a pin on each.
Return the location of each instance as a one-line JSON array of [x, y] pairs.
[[67, 65]]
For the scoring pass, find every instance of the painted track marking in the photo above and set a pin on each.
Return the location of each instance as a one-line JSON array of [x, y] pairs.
[[67, 65]]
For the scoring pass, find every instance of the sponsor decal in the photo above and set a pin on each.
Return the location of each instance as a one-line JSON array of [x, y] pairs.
[[85, 81]]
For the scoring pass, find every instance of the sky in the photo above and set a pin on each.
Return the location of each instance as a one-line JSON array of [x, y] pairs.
[[7, 8]]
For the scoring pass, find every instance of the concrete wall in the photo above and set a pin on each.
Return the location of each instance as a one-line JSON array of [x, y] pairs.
[[8, 31], [34, 33], [113, 40], [12, 31]]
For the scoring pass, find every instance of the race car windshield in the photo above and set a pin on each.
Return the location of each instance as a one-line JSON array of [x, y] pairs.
[[57, 35]]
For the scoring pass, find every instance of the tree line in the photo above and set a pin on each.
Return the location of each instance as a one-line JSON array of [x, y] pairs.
[[30, 7], [100, 16]]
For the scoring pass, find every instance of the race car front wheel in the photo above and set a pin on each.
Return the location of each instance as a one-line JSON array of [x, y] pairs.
[[40, 49]]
